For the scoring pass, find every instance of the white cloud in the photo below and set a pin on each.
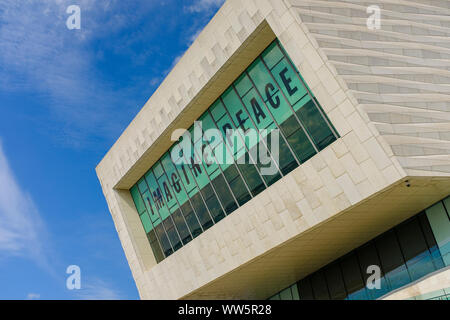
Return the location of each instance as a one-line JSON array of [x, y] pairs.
[[204, 5], [33, 296], [39, 54], [22, 230], [97, 289]]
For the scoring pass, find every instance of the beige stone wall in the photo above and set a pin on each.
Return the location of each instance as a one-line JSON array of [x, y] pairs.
[[399, 74], [356, 167]]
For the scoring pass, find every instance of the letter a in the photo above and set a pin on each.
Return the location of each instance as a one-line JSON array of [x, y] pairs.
[[74, 20], [74, 280]]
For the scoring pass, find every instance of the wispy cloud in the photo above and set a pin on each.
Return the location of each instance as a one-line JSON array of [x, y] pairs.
[[203, 9], [204, 5], [33, 296], [22, 230], [97, 289], [39, 54]]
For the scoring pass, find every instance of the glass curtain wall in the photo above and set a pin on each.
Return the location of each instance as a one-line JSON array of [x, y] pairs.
[[404, 254]]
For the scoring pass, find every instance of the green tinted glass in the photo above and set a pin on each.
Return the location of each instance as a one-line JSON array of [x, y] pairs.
[[146, 222], [211, 170], [137, 199]]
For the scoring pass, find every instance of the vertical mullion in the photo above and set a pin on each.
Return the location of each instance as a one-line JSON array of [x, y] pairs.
[[401, 251], [164, 202], [210, 182], [221, 172], [170, 214], [178, 203], [157, 211], [445, 208], [256, 128], [343, 279], [232, 153], [273, 118], [193, 177], [287, 100], [153, 227], [187, 193], [336, 135]]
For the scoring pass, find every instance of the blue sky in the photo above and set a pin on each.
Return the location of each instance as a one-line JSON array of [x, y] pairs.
[[65, 97]]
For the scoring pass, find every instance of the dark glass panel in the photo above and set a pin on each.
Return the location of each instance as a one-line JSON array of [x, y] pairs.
[[201, 211], [368, 256], [305, 290], [212, 203], [335, 282], [163, 240], [251, 177], [181, 226], [286, 161], [438, 262], [316, 125], [299, 142], [240, 191], [269, 179], [172, 233], [286, 294], [237, 185], [289, 126], [392, 260], [191, 219], [352, 277], [319, 286], [415, 249], [156, 248], [224, 194]]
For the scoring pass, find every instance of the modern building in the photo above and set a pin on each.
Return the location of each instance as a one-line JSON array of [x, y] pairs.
[[361, 175]]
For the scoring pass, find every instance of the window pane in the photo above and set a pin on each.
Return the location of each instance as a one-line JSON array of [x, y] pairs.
[[335, 282], [368, 256], [352, 278], [146, 222], [237, 185], [243, 85], [286, 294], [415, 249], [315, 125], [137, 199], [252, 177], [305, 290], [294, 291], [286, 160], [181, 226], [213, 203], [172, 233], [272, 55], [301, 145], [431, 242], [392, 260], [319, 286], [289, 82], [151, 236], [163, 240], [191, 219], [224, 194], [201, 211]]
